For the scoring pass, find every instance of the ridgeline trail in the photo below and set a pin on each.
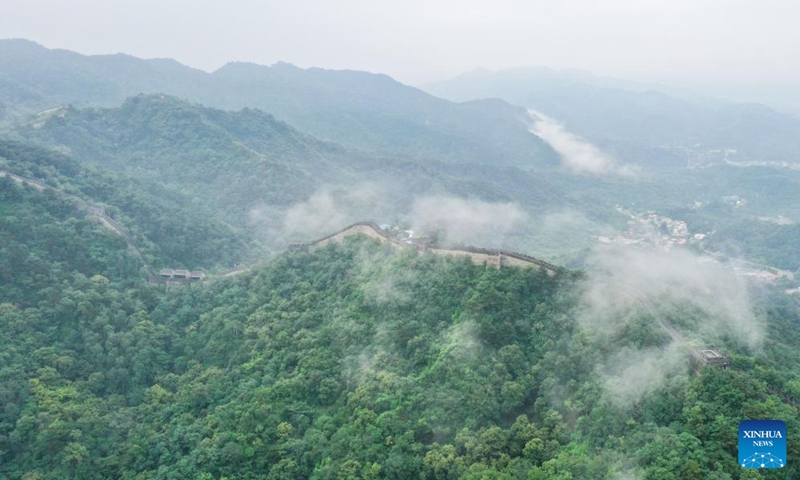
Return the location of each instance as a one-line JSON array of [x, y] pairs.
[[97, 211], [491, 257]]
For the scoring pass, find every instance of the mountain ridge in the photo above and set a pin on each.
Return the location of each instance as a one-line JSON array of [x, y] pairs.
[[357, 109], [611, 110]]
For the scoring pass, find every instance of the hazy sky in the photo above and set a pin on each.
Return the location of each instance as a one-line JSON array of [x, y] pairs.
[[415, 41]]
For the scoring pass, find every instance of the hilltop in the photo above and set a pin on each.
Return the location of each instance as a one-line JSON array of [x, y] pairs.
[[380, 364], [356, 109], [171, 230]]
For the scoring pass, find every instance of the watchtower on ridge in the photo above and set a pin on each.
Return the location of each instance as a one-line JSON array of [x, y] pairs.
[[178, 277], [709, 356]]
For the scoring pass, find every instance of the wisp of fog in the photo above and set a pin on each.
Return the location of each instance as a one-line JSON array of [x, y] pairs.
[[626, 285], [576, 153]]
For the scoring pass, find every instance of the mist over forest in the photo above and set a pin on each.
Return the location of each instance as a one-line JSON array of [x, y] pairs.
[[278, 272]]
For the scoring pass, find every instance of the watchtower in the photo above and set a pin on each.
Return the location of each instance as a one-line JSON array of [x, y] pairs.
[[709, 356]]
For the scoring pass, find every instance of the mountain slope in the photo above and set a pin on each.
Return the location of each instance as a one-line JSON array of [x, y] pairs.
[[37, 78], [256, 171], [231, 162], [169, 228], [604, 109], [276, 185], [356, 109], [357, 362]]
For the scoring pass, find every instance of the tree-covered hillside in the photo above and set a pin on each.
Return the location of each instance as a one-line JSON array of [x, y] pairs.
[[45, 239], [673, 316], [252, 169], [356, 362], [356, 109], [231, 159], [170, 229], [621, 112]]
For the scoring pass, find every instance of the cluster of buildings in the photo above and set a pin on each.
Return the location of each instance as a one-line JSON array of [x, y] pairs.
[[653, 229], [734, 200], [698, 156]]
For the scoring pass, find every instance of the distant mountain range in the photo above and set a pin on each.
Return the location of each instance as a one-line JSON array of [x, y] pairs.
[[252, 169], [356, 109], [282, 153], [607, 110]]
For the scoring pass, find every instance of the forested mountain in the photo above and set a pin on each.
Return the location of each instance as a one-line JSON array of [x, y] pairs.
[[355, 109], [169, 228], [626, 112], [228, 159], [35, 78], [254, 169], [356, 362]]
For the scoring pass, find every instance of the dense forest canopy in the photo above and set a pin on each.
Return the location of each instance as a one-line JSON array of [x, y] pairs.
[[356, 360], [359, 362], [172, 230]]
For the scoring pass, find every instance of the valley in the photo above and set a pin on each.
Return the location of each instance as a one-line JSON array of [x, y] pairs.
[[286, 272]]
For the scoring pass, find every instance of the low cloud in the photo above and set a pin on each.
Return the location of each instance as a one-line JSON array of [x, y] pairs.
[[392, 288], [461, 341], [682, 297], [576, 153], [632, 374], [563, 224], [779, 220], [329, 209], [623, 279], [466, 220]]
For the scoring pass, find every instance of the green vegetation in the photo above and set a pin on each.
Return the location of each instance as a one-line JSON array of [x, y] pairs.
[[354, 361], [760, 227], [357, 362], [356, 109], [636, 117], [761, 242], [45, 240], [237, 163], [170, 229], [228, 161]]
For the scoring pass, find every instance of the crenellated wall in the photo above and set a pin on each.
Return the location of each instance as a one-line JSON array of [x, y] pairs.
[[490, 257], [477, 258], [365, 228]]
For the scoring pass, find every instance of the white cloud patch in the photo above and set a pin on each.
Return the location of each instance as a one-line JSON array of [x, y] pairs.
[[328, 210], [466, 220], [390, 288], [696, 301], [624, 279], [632, 374], [461, 340], [576, 153]]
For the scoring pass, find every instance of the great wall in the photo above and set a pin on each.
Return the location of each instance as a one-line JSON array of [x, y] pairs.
[[164, 276], [495, 258], [701, 356], [479, 256]]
